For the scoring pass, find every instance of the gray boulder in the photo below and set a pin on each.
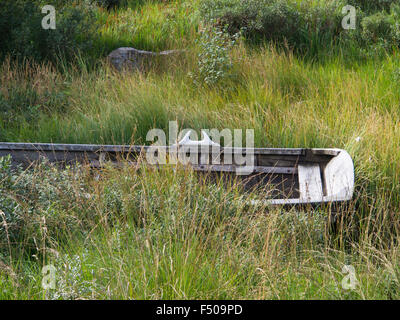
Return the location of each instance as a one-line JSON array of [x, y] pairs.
[[133, 59]]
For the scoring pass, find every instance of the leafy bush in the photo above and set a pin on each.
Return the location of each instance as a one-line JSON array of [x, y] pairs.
[[309, 26], [22, 35], [71, 280], [36, 204], [376, 28], [382, 28], [213, 59], [373, 5], [277, 20], [109, 4]]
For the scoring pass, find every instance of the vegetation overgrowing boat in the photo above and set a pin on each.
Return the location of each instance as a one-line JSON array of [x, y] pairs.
[[287, 176]]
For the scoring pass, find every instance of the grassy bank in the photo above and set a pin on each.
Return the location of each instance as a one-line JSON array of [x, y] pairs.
[[144, 234], [161, 234]]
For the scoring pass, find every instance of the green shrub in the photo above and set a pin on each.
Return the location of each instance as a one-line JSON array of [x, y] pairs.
[[373, 5], [309, 26], [35, 204], [281, 21], [109, 4], [376, 28], [382, 28], [256, 18], [22, 35], [213, 59]]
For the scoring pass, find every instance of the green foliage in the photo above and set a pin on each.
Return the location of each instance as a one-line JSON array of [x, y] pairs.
[[29, 93], [177, 238], [22, 35], [33, 203], [140, 233], [382, 28], [373, 5], [71, 279], [213, 62], [20, 104], [309, 27], [277, 20], [110, 4]]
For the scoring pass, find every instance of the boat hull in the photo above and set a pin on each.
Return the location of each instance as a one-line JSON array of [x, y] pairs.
[[285, 176]]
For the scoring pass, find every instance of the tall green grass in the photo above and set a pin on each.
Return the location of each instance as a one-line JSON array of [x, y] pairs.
[[143, 234], [154, 26], [147, 234]]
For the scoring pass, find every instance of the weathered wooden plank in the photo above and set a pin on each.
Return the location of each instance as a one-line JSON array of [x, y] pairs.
[[259, 169], [134, 148], [310, 182]]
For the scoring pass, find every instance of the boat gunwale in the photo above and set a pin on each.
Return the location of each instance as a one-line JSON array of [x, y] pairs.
[[137, 148]]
